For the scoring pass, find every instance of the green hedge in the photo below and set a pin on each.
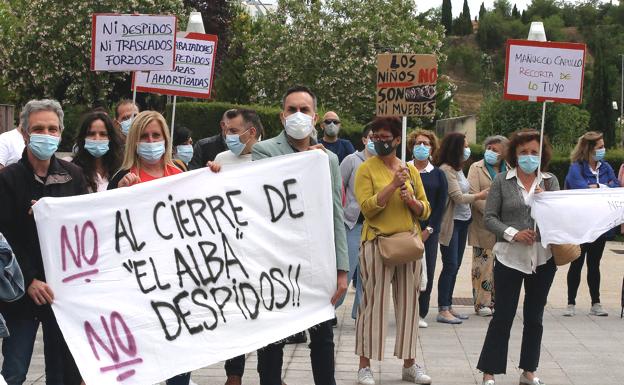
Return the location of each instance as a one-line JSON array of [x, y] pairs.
[[560, 163], [203, 118]]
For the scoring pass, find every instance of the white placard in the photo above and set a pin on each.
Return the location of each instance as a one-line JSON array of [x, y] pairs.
[[133, 42], [193, 73], [538, 71], [182, 272]]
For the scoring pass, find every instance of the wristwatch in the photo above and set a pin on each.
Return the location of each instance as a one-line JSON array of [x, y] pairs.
[[429, 229]]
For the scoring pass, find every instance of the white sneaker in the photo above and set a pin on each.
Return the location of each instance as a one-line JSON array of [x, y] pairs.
[[422, 323], [597, 309], [484, 312], [365, 376], [570, 311], [416, 374]]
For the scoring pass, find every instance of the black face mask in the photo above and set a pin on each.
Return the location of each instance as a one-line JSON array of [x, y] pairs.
[[384, 148]]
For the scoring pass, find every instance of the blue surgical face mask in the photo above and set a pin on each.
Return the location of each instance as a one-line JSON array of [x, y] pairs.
[[370, 146], [234, 144], [97, 148], [466, 153], [184, 152], [125, 126], [491, 157], [421, 152], [151, 152], [600, 154], [43, 146], [528, 163]]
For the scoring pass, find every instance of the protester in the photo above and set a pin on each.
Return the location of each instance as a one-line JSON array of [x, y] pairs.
[[205, 150], [588, 169], [36, 175], [298, 117], [125, 111], [331, 127], [243, 130], [480, 176], [99, 150], [423, 145], [11, 147], [182, 147], [453, 154], [11, 283], [353, 216], [391, 196], [520, 257]]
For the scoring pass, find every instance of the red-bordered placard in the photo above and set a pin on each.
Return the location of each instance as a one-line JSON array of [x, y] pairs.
[[191, 69], [160, 56], [544, 71]]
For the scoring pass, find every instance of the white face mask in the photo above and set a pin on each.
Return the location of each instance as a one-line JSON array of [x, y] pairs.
[[298, 125]]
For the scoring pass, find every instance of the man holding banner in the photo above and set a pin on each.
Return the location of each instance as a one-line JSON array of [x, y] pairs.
[[298, 117]]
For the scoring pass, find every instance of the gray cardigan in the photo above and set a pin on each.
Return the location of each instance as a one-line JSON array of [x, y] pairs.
[[505, 205], [348, 167]]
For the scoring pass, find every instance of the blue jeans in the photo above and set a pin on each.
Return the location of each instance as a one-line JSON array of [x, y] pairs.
[[451, 261], [353, 245], [18, 348], [431, 255]]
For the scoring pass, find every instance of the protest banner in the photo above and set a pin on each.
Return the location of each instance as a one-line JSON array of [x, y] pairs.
[[560, 221], [544, 71], [133, 42], [175, 274], [406, 85], [193, 73]]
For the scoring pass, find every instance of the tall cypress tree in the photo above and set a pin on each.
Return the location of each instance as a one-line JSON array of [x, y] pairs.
[[515, 13], [467, 20], [600, 107], [447, 16], [482, 11]]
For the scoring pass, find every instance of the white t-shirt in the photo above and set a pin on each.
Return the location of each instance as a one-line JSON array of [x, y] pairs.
[[228, 157], [11, 147]]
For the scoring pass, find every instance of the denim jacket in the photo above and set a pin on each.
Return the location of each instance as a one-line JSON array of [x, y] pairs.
[[11, 280]]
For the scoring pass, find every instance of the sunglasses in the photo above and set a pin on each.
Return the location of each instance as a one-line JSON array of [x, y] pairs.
[[330, 121]]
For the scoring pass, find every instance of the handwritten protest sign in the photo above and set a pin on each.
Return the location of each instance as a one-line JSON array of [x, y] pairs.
[[541, 71], [406, 84], [132, 42], [175, 274], [193, 73]]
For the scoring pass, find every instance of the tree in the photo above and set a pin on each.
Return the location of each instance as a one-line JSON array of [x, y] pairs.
[[467, 19], [482, 11], [331, 48], [503, 7], [447, 16], [46, 50], [600, 108], [515, 13]]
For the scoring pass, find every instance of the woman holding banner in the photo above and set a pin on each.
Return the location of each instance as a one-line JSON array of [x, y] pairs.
[[99, 150], [453, 154], [520, 257], [392, 200], [588, 169]]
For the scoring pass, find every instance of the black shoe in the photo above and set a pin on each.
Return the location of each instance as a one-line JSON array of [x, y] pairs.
[[299, 338]]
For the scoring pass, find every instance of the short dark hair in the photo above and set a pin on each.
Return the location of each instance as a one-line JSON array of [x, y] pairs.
[[250, 119], [294, 89], [451, 150], [527, 135], [366, 130], [389, 123], [181, 135]]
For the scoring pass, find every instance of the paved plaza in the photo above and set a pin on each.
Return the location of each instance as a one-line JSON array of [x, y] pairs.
[[583, 350]]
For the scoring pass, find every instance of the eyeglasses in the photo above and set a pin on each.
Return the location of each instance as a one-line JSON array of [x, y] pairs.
[[330, 121]]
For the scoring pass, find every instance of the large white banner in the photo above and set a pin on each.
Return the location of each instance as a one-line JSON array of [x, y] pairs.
[[175, 274], [577, 216]]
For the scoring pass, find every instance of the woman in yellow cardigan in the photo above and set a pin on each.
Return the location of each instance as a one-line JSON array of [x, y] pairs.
[[392, 199]]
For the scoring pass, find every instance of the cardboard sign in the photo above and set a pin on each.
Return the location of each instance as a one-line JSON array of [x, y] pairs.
[[193, 73], [543, 71], [133, 42], [406, 85], [175, 274]]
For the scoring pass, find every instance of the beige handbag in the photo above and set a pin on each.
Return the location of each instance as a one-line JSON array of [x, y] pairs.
[[566, 253], [400, 248]]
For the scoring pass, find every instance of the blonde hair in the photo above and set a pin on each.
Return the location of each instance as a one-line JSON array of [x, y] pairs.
[[584, 146], [131, 158], [411, 140]]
